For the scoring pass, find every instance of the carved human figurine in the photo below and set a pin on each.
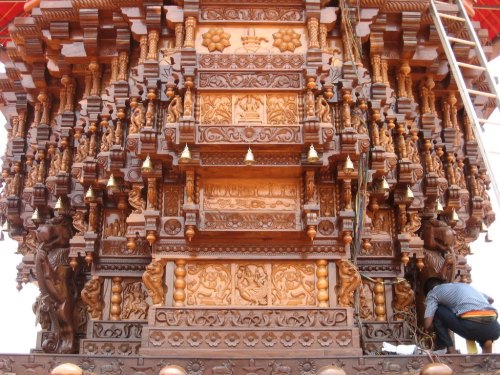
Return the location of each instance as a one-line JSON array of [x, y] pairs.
[[188, 103], [82, 150], [174, 110], [439, 241], [137, 120], [53, 276], [349, 281], [92, 297], [412, 151], [413, 224], [404, 296], [437, 165], [134, 302], [323, 110], [310, 104], [31, 180], [153, 280], [108, 139], [79, 222], [135, 199], [55, 165]]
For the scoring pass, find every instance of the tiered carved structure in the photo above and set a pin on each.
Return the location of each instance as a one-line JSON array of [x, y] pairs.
[[126, 183]]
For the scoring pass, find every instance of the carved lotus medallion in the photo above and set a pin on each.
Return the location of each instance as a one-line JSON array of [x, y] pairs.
[[286, 40], [216, 39]]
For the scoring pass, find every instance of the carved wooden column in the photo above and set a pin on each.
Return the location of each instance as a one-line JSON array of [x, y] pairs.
[[323, 42], [376, 68], [379, 299], [116, 298], [322, 282], [153, 38], [95, 70], [114, 70], [384, 72], [143, 48], [190, 28], [151, 201], [313, 29], [179, 36], [180, 283], [122, 66]]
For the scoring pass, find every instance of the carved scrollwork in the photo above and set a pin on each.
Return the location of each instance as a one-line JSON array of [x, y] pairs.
[[253, 80], [242, 134], [252, 14]]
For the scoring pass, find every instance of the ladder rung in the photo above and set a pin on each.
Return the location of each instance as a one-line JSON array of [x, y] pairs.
[[487, 94], [462, 41], [470, 66], [485, 121], [450, 17]]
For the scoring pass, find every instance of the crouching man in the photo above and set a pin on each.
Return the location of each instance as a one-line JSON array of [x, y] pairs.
[[462, 309]]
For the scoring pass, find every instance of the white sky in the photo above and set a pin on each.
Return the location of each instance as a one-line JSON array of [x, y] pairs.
[[17, 322]]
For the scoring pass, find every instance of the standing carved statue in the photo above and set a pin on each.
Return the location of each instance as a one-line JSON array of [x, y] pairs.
[[79, 222], [134, 303], [323, 110], [108, 139], [92, 296], [153, 280], [55, 165], [188, 103], [349, 281], [54, 276], [82, 151], [137, 120], [31, 181], [135, 199], [404, 296], [310, 104], [175, 110]]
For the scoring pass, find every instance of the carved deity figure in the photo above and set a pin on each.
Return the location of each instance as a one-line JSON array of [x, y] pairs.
[[92, 296], [412, 151], [135, 199], [108, 139], [252, 284], [413, 224], [323, 110], [79, 222], [31, 180], [153, 280], [137, 120], [188, 103], [310, 104], [439, 241], [55, 165], [386, 140], [404, 296], [249, 107], [54, 279], [437, 165], [175, 110], [82, 150], [349, 281], [134, 303]]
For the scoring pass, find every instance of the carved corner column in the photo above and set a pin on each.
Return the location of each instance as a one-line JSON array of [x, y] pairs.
[[379, 300], [115, 311], [190, 208], [189, 32], [311, 207], [180, 283]]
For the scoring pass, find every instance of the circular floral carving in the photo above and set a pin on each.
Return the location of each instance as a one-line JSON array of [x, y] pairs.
[[325, 339], [90, 348], [265, 221], [288, 339], [172, 227], [157, 338], [325, 227], [216, 39], [286, 40], [269, 339], [195, 367], [306, 339], [307, 367], [213, 339], [108, 349], [175, 339], [343, 339], [234, 221], [194, 339], [251, 339], [124, 349], [232, 339]]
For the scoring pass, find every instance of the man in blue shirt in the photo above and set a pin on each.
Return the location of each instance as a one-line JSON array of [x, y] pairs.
[[462, 309]]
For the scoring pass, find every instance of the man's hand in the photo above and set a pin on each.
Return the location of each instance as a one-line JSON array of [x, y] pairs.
[[428, 326]]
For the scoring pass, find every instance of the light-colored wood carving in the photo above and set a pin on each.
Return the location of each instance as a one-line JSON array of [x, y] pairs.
[[92, 297], [281, 109], [349, 280], [153, 281], [216, 109], [175, 110], [251, 42], [293, 284], [188, 102], [115, 226], [134, 302], [180, 282], [323, 32], [310, 187], [135, 198], [153, 38], [379, 299], [208, 284], [116, 298], [93, 212], [190, 178], [189, 32], [122, 66], [249, 109], [404, 298], [322, 282], [143, 48], [216, 39], [384, 72], [323, 110], [313, 29], [251, 284], [376, 68], [137, 119], [179, 36], [95, 70], [151, 201], [286, 40]]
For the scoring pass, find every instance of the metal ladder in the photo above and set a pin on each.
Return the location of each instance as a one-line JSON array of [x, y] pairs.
[[456, 67]]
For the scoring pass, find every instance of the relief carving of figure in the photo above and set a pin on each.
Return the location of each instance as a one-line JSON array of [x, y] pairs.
[[54, 276], [55, 164], [404, 296], [137, 120], [412, 151], [134, 303], [117, 228], [82, 151], [79, 222], [175, 110], [437, 165], [188, 103], [439, 241], [153, 280], [349, 281], [323, 109], [92, 296], [32, 176], [136, 200], [249, 107], [108, 139], [252, 284]]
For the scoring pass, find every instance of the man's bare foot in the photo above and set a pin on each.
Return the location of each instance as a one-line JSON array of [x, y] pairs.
[[451, 350], [487, 346]]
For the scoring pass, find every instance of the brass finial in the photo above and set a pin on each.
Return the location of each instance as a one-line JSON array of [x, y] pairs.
[[312, 155], [185, 155], [249, 159], [348, 165]]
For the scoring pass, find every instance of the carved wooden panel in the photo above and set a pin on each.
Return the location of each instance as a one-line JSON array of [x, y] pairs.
[[255, 204], [246, 134], [251, 61], [251, 14], [250, 284]]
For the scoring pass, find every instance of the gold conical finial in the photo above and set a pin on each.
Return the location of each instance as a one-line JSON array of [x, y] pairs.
[[454, 215], [385, 184], [312, 155], [439, 206], [348, 165], [59, 204], [147, 165], [185, 155], [35, 216], [409, 193], [89, 195], [249, 159], [111, 182]]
